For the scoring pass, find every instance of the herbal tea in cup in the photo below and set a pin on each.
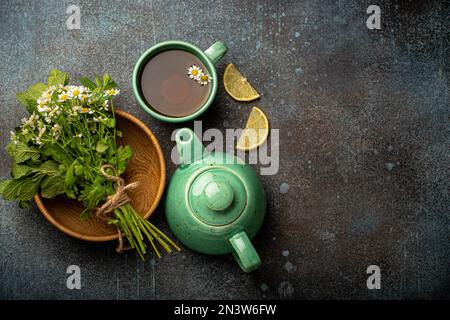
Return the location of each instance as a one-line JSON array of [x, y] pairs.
[[175, 81]]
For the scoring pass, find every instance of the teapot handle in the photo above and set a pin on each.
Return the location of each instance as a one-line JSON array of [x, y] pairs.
[[244, 252], [189, 146]]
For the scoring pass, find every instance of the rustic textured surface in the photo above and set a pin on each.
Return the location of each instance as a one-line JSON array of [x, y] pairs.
[[364, 123]]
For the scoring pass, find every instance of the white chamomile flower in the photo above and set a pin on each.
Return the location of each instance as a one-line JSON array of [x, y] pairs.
[[63, 97], [42, 131], [112, 92], [204, 79], [87, 110], [76, 92], [14, 137], [56, 111], [37, 140], [105, 105], [47, 95], [79, 135], [100, 119], [44, 109], [41, 102], [194, 72], [56, 131], [34, 118], [84, 96]]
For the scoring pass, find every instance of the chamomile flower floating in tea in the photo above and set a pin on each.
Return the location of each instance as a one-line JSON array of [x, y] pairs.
[[68, 146], [194, 72], [204, 79], [197, 74]]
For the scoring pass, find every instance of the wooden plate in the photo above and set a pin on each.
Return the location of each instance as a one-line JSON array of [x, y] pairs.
[[147, 166]]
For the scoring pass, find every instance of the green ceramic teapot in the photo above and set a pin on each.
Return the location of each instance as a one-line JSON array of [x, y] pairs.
[[215, 202]]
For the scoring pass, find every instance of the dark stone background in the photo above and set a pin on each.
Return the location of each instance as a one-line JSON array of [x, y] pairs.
[[364, 145]]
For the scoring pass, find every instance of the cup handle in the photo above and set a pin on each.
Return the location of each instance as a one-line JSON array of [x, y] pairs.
[[244, 252], [216, 51]]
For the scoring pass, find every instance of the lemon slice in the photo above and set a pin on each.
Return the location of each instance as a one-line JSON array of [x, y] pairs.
[[237, 86], [255, 132]]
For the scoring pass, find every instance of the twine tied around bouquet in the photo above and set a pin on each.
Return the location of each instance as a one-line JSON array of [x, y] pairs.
[[118, 199]]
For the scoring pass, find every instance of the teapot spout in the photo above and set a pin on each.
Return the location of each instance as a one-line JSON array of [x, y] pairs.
[[189, 146]]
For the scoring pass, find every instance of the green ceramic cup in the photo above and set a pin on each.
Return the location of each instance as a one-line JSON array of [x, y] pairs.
[[209, 58]]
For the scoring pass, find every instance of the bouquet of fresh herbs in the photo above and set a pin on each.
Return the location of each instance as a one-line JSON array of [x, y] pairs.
[[68, 146]]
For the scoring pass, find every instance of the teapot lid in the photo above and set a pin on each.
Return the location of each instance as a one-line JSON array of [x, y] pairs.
[[217, 196]]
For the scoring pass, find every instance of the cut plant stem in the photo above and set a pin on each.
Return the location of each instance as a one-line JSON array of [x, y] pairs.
[[150, 225], [137, 229]]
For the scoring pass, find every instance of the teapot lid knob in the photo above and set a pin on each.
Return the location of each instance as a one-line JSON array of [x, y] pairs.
[[218, 195]]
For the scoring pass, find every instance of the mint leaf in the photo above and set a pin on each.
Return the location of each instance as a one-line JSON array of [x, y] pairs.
[[70, 180], [3, 185], [79, 170], [23, 189], [123, 155], [110, 123], [49, 167], [58, 154], [20, 170], [101, 147], [87, 83], [27, 102], [92, 195], [28, 97], [52, 186], [21, 152], [106, 79], [111, 84], [56, 78], [107, 82], [24, 204], [98, 81]]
